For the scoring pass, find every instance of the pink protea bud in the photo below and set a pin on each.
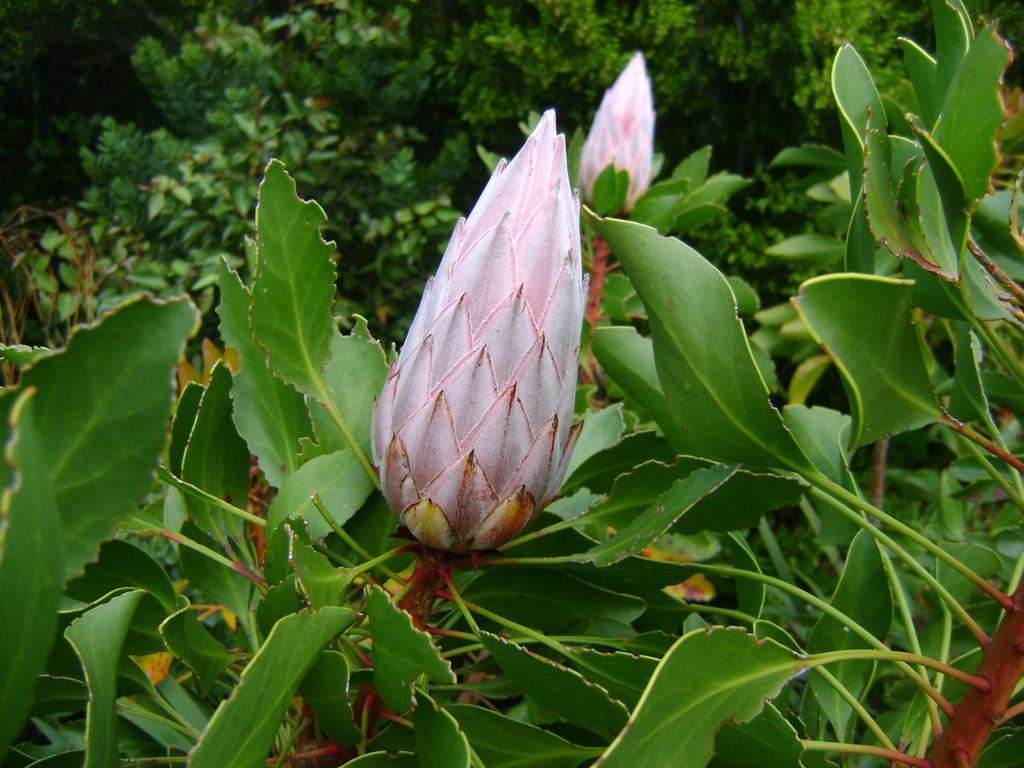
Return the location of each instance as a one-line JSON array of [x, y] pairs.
[[622, 134], [473, 430]]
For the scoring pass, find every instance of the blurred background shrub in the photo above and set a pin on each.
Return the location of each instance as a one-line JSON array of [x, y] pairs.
[[135, 131]]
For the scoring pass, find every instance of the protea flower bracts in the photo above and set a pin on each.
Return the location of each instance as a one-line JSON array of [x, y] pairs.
[[472, 432]]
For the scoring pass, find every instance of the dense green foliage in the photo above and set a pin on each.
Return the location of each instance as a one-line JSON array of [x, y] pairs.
[[143, 174], [790, 533]]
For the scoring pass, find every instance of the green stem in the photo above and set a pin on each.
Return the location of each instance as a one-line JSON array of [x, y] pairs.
[[980, 635], [830, 488], [375, 562], [460, 603], [857, 707], [345, 536], [217, 557], [858, 654], [836, 614], [984, 442], [994, 473], [992, 339], [192, 490], [891, 755]]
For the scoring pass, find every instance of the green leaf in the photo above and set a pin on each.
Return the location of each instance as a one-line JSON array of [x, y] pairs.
[[863, 574], [658, 517], [749, 594], [856, 99], [184, 417], [968, 400], [97, 637], [384, 760], [191, 642], [628, 358], [599, 472], [810, 247], [560, 689], [726, 676], [325, 689], [623, 675], [320, 581], [502, 742], [269, 415], [703, 356], [973, 112], [293, 287], [922, 69], [767, 741], [120, 565], [953, 36], [216, 459], [864, 323], [809, 156], [601, 429], [355, 374], [805, 377], [554, 602], [339, 480], [242, 730], [609, 192], [101, 412], [739, 503], [217, 582], [400, 652], [30, 560], [824, 436], [440, 742]]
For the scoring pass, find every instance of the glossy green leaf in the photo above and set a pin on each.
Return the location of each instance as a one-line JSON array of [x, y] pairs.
[[269, 415], [384, 760], [101, 412], [809, 156], [749, 594], [953, 36], [922, 69], [554, 602], [857, 100], [739, 503], [401, 652], [599, 472], [502, 742], [190, 641], [220, 584], [355, 374], [440, 742], [241, 731], [865, 324], [184, 417], [824, 435], [97, 637], [767, 741], [293, 287], [624, 675], [601, 429], [968, 400], [718, 397], [805, 377], [658, 517], [30, 558], [325, 689], [726, 675], [341, 484], [973, 112], [628, 358], [863, 574], [320, 581], [808, 247], [216, 458], [558, 688], [122, 564], [609, 192]]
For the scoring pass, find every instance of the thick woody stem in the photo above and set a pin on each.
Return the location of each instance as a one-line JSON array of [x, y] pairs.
[[979, 712], [427, 578]]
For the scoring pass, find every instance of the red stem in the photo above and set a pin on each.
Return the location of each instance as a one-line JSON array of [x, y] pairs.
[[426, 579], [979, 712]]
